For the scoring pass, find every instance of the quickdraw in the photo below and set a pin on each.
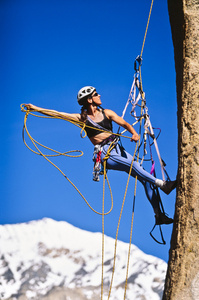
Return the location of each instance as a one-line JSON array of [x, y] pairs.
[[136, 96]]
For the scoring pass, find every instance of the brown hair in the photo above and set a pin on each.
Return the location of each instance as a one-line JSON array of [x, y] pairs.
[[84, 109]]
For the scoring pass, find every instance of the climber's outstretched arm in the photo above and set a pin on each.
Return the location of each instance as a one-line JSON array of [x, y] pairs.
[[53, 113]]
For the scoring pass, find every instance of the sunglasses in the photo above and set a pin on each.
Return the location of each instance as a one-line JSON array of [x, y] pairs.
[[95, 95]]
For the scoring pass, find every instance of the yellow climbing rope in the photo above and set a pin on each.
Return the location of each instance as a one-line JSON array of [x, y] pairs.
[[132, 219], [68, 153], [143, 44], [117, 232], [147, 26], [79, 153], [39, 152]]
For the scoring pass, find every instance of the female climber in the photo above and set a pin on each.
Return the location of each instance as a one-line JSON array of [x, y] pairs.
[[98, 127]]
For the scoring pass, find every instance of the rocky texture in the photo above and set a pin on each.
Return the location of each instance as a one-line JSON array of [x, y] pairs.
[[182, 281]]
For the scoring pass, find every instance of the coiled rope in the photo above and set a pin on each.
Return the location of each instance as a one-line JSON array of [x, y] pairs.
[[80, 153], [68, 153]]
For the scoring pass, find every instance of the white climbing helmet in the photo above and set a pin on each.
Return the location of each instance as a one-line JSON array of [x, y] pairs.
[[84, 92]]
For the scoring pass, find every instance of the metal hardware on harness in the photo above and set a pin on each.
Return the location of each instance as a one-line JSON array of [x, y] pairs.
[[98, 167], [137, 63]]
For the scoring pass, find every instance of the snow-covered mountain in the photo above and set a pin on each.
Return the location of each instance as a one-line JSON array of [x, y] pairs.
[[52, 260]]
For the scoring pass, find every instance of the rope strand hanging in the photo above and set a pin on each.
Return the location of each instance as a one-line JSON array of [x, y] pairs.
[[142, 96], [137, 84]]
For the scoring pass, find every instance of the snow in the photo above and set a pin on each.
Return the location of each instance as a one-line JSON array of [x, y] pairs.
[[45, 254]]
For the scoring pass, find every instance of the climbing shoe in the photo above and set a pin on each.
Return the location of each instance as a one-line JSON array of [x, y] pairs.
[[162, 218], [168, 186]]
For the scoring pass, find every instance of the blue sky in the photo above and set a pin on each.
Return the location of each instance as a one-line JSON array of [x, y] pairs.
[[50, 49]]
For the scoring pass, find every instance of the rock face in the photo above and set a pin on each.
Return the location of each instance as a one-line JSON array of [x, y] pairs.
[[182, 281]]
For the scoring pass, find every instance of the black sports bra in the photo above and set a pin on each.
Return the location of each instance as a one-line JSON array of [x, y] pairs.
[[106, 124]]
